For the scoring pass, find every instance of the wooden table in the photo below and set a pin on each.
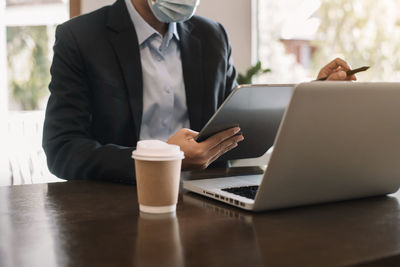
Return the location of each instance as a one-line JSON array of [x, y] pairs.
[[80, 223]]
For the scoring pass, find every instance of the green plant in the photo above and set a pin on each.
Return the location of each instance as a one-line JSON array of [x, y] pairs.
[[251, 72]]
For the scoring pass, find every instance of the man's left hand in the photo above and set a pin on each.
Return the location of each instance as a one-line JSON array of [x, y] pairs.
[[336, 71]]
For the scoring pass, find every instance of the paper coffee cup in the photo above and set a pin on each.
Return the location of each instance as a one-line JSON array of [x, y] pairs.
[[158, 169]]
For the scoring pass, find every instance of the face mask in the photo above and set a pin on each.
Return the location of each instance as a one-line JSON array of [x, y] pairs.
[[173, 10]]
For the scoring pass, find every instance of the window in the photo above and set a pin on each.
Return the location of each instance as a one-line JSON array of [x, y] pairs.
[[27, 29], [30, 37], [298, 37]]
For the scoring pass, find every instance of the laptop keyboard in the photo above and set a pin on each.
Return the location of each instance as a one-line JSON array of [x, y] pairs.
[[244, 191]]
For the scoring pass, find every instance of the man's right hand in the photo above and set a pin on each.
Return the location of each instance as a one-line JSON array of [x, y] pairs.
[[200, 155]]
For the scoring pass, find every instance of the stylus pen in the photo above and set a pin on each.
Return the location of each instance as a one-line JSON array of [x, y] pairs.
[[349, 72]]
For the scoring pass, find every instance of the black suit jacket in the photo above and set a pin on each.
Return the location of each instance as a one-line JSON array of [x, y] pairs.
[[94, 112]]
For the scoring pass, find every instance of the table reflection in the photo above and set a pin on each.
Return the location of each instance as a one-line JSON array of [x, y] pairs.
[[158, 240], [92, 223], [213, 231], [24, 220], [311, 234], [97, 224]]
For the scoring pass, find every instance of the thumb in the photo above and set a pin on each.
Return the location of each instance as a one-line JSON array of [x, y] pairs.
[[190, 133], [337, 76]]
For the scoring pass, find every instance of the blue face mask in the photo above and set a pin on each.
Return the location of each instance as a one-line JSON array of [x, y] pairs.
[[173, 10]]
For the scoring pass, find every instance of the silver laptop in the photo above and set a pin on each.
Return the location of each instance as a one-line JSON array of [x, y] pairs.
[[337, 141]]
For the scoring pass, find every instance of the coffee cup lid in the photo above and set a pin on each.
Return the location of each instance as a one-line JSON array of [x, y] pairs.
[[155, 150]]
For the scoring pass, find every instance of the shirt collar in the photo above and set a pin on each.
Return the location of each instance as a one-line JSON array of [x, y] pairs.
[[143, 30]]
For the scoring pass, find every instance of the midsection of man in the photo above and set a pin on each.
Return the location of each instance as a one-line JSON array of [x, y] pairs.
[[102, 97]]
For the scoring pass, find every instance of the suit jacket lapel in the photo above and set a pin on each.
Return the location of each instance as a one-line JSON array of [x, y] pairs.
[[191, 55], [123, 38]]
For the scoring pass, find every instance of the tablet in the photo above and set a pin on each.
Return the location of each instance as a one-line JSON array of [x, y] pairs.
[[257, 110]]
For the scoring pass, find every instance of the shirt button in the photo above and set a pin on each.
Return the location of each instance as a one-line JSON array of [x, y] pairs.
[[164, 123], [158, 58]]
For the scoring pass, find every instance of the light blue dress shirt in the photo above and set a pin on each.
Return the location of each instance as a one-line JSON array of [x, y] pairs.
[[164, 97]]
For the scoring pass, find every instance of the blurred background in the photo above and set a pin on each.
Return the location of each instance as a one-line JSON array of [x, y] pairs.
[[292, 38]]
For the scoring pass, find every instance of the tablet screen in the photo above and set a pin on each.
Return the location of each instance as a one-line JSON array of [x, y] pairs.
[[257, 110]]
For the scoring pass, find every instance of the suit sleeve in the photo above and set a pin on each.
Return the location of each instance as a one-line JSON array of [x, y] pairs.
[[72, 152], [231, 73]]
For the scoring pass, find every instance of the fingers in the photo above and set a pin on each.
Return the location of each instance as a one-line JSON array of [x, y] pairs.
[[341, 76], [181, 136], [221, 148], [338, 76], [220, 137], [204, 158], [337, 63], [190, 133], [200, 155], [352, 78], [215, 157]]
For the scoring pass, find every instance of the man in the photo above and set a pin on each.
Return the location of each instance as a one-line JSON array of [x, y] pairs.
[[139, 69]]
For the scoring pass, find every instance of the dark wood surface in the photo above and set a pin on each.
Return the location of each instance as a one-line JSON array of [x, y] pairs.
[[81, 223]]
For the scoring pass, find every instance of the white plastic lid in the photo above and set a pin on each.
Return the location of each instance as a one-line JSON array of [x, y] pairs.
[[155, 150]]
